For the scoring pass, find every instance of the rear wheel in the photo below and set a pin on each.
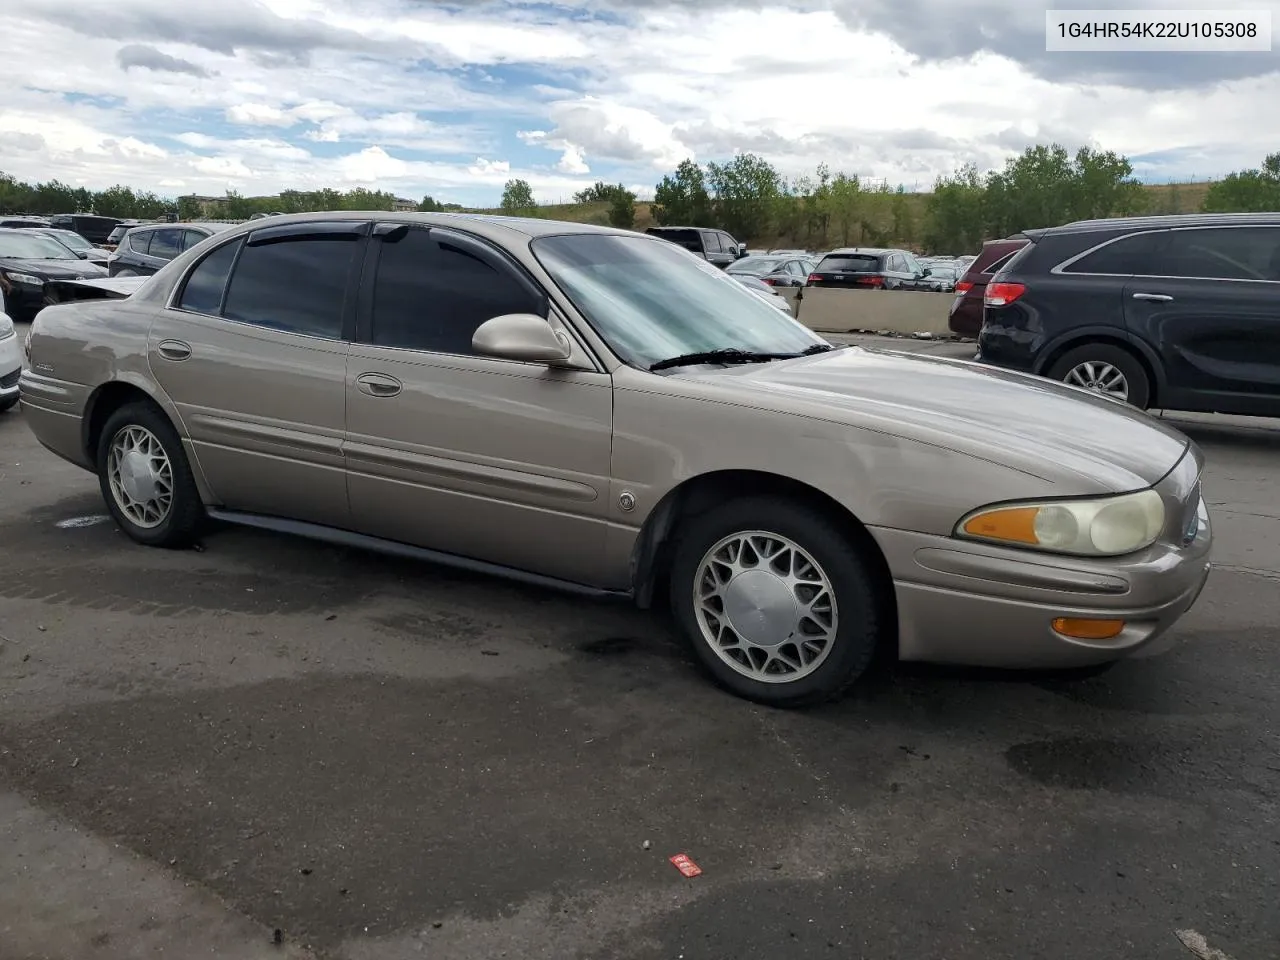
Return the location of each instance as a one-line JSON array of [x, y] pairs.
[[8, 404], [145, 478], [1106, 369], [779, 605]]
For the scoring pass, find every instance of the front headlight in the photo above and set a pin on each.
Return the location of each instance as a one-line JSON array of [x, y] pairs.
[[6, 327], [24, 278], [1106, 527]]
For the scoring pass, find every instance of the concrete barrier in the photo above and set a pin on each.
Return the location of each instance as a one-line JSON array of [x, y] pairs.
[[897, 311]]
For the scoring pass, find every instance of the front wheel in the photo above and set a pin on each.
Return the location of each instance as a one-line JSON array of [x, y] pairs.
[[145, 478], [9, 404], [1106, 369], [780, 606]]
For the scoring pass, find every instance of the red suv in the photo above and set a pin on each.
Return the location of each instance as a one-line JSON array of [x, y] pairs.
[[966, 308]]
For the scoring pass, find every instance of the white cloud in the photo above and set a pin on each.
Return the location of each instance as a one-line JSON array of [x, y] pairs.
[[571, 161], [260, 115]]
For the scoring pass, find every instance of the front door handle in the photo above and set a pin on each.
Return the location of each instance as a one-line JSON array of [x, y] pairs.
[[174, 350], [378, 385], [1154, 297]]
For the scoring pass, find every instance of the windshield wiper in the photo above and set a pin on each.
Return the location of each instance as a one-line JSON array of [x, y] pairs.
[[735, 355]]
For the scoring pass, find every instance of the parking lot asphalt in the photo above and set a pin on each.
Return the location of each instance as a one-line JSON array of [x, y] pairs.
[[383, 759]]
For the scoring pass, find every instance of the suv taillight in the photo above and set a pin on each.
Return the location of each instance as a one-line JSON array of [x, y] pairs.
[[870, 281], [814, 278], [1003, 294], [964, 286]]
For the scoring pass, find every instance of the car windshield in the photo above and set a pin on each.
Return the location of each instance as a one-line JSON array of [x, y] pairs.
[[756, 266], [651, 300], [32, 246], [70, 239]]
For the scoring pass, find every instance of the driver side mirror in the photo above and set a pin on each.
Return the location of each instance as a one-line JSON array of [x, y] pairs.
[[742, 250], [525, 337]]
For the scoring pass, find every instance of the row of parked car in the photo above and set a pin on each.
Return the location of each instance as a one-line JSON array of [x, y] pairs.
[[864, 268]]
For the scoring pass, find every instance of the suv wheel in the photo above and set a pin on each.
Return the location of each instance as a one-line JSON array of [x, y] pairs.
[[145, 477], [1106, 369], [779, 606]]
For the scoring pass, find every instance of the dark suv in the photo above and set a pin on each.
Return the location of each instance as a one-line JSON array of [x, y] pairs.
[[715, 246], [870, 268], [145, 249], [1176, 313]]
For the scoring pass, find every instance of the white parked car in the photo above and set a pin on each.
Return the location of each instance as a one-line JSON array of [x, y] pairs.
[[10, 363]]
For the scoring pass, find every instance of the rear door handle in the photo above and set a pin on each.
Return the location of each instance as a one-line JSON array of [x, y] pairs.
[[174, 350], [1155, 297], [378, 385]]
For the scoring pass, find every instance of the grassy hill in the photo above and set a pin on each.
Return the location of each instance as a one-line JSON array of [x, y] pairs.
[[1162, 198]]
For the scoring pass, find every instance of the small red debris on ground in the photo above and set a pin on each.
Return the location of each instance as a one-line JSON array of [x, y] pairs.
[[685, 865]]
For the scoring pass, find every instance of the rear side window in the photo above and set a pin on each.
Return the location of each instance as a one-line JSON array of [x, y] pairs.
[[203, 290], [1126, 256], [849, 263], [191, 237], [165, 244], [998, 264], [296, 284], [138, 240], [1224, 253], [430, 294]]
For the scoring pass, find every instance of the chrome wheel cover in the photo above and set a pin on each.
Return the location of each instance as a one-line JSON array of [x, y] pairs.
[[1099, 376], [140, 476], [765, 607]]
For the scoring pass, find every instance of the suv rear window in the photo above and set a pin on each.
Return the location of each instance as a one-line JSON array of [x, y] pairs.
[[689, 239], [849, 263]]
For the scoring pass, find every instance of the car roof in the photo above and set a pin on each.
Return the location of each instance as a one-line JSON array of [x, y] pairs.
[[878, 251], [493, 226], [1165, 222]]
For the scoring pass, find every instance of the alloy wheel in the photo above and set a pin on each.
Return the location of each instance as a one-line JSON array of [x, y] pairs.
[[1101, 377]]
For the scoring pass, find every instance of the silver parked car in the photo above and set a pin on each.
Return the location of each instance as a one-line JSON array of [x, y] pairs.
[[604, 412]]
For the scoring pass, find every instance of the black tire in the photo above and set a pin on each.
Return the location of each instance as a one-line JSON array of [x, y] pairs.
[[186, 512], [1124, 361], [6, 405], [860, 604]]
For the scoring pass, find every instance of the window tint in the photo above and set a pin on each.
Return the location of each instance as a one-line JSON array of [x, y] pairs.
[[191, 237], [1126, 256], [294, 284], [998, 264], [165, 244], [139, 240], [203, 291], [432, 295], [712, 242], [1231, 253], [728, 244]]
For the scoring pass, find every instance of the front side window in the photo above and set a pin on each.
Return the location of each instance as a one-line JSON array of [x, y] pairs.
[[711, 242], [652, 301], [432, 294], [1222, 253], [294, 283], [1125, 257]]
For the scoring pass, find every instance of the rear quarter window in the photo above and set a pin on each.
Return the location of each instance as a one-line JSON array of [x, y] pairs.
[[1122, 257]]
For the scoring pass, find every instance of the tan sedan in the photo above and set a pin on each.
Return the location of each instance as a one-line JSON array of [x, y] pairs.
[[601, 411]]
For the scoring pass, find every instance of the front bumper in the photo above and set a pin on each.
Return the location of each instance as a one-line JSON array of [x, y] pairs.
[[969, 603]]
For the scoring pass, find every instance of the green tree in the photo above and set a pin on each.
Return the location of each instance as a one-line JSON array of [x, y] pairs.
[[955, 212], [1247, 191], [844, 206], [601, 192], [429, 205], [517, 198], [681, 198], [904, 221], [117, 201], [745, 193], [622, 210]]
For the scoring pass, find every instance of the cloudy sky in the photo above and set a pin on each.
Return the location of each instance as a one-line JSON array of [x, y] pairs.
[[455, 98]]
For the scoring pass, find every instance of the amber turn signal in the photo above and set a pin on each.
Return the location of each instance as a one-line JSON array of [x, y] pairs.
[[1079, 629]]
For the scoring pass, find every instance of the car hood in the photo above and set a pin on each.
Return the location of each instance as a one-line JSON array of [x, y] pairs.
[[1043, 428], [53, 269]]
